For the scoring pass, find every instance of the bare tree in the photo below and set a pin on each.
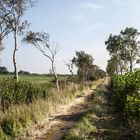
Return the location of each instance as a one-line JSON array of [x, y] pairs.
[[11, 15], [41, 41], [70, 66]]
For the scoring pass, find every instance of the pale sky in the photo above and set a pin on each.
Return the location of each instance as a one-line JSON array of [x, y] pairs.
[[75, 25]]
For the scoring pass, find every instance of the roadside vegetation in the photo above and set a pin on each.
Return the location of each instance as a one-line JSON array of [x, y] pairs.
[[126, 95], [24, 103], [124, 50], [102, 121]]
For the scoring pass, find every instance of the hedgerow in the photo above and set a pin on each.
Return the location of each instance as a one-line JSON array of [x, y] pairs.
[[126, 93]]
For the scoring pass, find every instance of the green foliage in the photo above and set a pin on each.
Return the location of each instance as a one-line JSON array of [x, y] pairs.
[[8, 126], [133, 105], [12, 92], [112, 66], [86, 70], [83, 62], [2, 135], [3, 70], [126, 93], [124, 50]]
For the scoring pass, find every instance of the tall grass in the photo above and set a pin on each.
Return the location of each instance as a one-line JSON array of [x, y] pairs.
[[12, 92], [22, 111]]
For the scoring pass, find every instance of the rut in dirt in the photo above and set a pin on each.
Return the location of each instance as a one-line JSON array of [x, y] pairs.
[[65, 122]]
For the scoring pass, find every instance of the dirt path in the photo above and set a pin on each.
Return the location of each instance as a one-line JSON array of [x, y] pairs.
[[101, 122], [54, 127]]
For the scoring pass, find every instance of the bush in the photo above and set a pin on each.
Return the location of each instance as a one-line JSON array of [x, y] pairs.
[[126, 93], [2, 135]]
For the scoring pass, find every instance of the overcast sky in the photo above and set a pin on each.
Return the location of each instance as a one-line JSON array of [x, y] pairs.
[[75, 25]]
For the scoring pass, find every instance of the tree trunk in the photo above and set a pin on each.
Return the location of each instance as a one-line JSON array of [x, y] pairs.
[[55, 76], [121, 69], [131, 61], [72, 75], [57, 83], [83, 76], [131, 65], [65, 81], [14, 57]]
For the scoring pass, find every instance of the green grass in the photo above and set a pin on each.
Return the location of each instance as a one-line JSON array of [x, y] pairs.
[[33, 78]]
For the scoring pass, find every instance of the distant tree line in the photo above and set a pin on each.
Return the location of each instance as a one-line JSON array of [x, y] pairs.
[[87, 71], [4, 70]]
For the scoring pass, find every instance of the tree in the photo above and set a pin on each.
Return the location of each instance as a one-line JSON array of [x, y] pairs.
[[99, 73], [42, 42], [114, 46], [11, 15], [131, 46], [70, 66], [3, 70], [4, 28], [24, 72], [124, 48], [95, 72], [83, 62], [112, 66]]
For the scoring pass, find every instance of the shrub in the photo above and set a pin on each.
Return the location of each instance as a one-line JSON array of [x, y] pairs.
[[126, 93]]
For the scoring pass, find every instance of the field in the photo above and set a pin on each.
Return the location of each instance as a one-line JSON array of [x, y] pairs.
[[35, 77]]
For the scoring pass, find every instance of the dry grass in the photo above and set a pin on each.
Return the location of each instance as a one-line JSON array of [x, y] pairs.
[[18, 117]]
